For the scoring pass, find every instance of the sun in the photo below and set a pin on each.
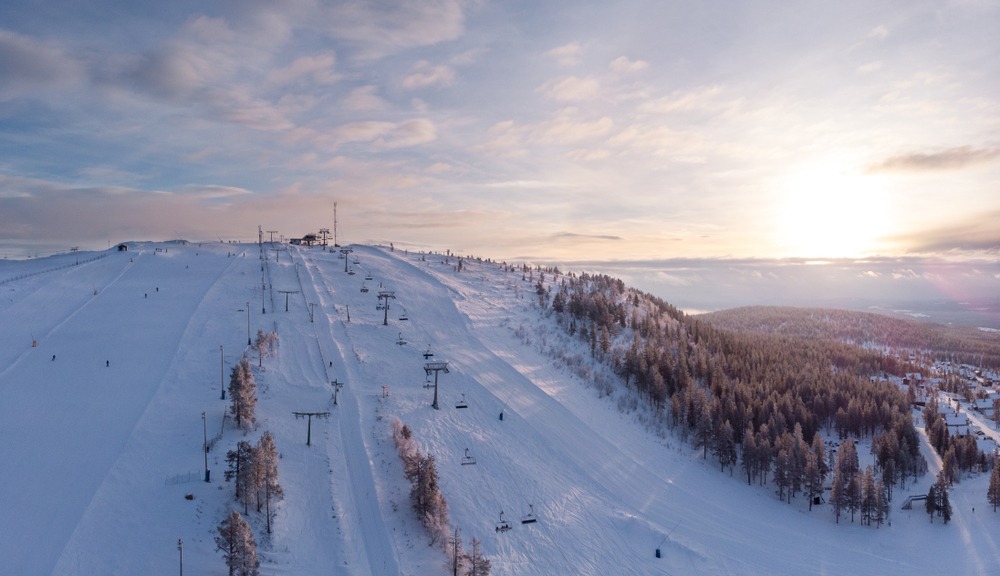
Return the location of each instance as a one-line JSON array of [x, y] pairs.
[[825, 212]]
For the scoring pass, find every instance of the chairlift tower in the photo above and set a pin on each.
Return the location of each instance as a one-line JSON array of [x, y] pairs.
[[386, 295], [345, 252], [326, 233], [336, 388], [286, 293], [310, 415], [435, 367]]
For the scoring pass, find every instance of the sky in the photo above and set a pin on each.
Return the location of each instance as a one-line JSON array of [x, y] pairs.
[[558, 130]]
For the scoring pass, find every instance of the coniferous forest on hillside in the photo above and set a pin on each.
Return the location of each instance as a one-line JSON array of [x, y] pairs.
[[756, 388]]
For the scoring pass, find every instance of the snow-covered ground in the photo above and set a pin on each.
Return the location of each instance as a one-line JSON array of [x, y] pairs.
[[101, 446]]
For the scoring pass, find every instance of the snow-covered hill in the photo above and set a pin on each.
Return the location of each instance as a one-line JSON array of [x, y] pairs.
[[107, 367]]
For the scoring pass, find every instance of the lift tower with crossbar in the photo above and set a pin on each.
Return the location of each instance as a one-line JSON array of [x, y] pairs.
[[435, 367], [385, 295]]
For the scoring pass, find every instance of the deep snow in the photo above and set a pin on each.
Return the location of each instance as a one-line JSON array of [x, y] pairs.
[[101, 445]]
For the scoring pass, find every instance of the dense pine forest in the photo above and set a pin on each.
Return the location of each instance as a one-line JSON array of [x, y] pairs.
[[958, 344], [753, 399]]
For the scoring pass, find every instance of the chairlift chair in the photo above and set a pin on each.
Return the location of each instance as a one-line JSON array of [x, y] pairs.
[[462, 403], [364, 288], [400, 340], [368, 276], [350, 272], [503, 525], [467, 459], [529, 518]]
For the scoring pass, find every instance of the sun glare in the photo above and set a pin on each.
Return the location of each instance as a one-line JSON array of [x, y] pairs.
[[829, 213]]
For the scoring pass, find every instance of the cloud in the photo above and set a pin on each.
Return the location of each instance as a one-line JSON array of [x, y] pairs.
[[697, 99], [382, 135], [623, 65], [950, 159], [379, 29], [870, 67], [568, 128], [880, 32], [409, 133], [978, 233], [567, 54], [318, 68], [28, 64], [424, 75], [364, 99], [214, 191], [570, 88], [577, 236]]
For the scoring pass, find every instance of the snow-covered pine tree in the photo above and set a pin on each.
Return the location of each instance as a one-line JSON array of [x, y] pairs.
[[237, 544], [852, 494], [725, 446], [781, 472], [243, 394], [868, 496], [993, 492], [881, 510], [837, 499], [478, 564], [748, 455], [931, 504], [239, 461], [456, 555], [245, 485], [265, 475], [943, 502], [704, 431], [812, 478]]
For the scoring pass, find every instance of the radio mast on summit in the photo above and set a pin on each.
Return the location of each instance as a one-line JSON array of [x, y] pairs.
[[335, 244]]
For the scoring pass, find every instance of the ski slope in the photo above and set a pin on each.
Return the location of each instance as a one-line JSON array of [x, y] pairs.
[[101, 446]]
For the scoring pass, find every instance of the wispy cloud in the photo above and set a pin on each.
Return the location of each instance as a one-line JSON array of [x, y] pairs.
[[364, 99], [424, 75], [623, 65], [579, 236], [978, 233], [570, 88], [950, 159], [879, 32], [378, 31], [567, 54], [316, 68], [28, 64]]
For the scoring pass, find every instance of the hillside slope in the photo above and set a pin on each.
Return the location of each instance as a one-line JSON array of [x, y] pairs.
[[101, 445]]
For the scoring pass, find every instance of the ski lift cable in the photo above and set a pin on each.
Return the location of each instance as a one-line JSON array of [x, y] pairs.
[[513, 480]]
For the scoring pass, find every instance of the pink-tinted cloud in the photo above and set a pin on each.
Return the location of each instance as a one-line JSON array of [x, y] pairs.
[[949, 159]]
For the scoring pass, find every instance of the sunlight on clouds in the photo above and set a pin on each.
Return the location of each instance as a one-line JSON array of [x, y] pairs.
[[567, 54], [623, 65], [364, 99], [568, 128], [425, 75], [870, 67], [318, 68], [699, 98], [570, 88], [879, 32]]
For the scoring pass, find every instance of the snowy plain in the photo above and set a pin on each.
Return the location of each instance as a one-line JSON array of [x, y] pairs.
[[101, 445]]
